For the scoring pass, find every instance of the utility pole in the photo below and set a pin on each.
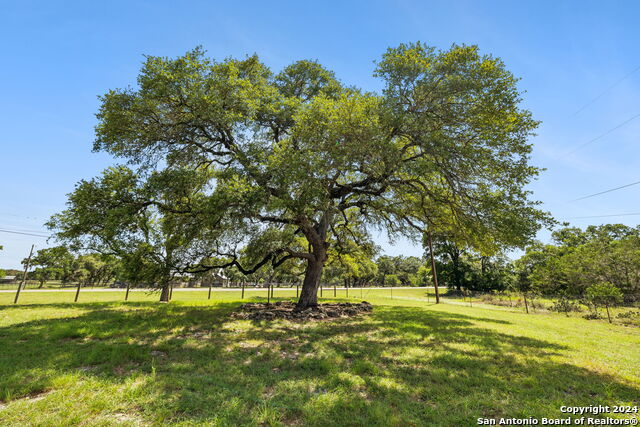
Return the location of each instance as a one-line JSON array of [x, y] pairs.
[[78, 291], [24, 276], [433, 267]]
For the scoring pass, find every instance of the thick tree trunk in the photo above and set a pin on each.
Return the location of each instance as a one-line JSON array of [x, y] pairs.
[[309, 295], [316, 235], [434, 271], [164, 295]]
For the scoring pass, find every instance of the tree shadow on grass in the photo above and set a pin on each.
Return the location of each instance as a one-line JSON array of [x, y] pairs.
[[396, 366]]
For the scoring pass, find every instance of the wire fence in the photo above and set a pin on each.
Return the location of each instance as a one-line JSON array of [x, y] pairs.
[[626, 311]]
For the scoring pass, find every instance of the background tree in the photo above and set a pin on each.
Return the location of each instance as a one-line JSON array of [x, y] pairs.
[[423, 275], [353, 265], [524, 286], [604, 293], [291, 158], [392, 280], [461, 266], [491, 273], [451, 254], [96, 269], [113, 216], [579, 258], [55, 263], [404, 268], [41, 275]]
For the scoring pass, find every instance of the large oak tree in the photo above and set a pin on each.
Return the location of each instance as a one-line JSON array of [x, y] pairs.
[[297, 161]]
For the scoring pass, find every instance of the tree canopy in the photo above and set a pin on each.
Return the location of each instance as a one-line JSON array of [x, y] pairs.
[[232, 165]]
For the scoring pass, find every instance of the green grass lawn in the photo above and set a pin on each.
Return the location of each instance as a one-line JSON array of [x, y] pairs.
[[103, 361]]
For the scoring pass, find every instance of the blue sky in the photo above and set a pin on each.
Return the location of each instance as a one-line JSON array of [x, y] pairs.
[[59, 56]]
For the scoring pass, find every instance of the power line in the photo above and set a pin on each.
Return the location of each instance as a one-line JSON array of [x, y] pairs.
[[600, 136], [606, 191], [602, 216], [605, 92], [17, 216], [24, 230], [26, 234]]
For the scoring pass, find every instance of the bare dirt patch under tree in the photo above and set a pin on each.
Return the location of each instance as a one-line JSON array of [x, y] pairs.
[[287, 310]]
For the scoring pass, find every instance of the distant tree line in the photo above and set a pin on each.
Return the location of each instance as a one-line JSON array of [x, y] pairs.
[[460, 267], [356, 269], [578, 259], [60, 264], [575, 260]]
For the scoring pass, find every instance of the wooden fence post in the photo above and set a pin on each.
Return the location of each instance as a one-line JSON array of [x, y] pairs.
[[24, 275]]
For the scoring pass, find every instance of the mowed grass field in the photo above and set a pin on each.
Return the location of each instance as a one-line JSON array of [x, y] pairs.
[[103, 361]]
